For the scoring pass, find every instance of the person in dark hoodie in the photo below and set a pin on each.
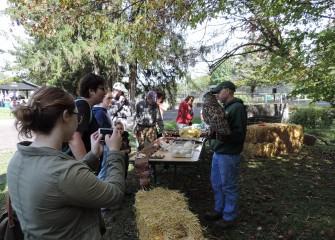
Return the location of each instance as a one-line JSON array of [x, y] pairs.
[[100, 112], [226, 158]]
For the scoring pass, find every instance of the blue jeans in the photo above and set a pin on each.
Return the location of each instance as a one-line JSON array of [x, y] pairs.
[[224, 175], [103, 171]]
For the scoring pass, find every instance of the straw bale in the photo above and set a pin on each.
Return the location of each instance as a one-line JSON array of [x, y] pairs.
[[264, 149], [273, 139], [162, 214]]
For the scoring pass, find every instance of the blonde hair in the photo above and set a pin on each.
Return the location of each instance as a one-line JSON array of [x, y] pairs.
[[118, 123]]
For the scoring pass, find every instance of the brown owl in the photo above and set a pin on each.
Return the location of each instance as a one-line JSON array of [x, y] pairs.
[[214, 115]]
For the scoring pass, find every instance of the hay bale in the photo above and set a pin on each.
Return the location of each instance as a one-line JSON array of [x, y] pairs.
[[164, 214], [273, 139]]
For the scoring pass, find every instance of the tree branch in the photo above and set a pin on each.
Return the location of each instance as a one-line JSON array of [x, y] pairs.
[[219, 61]]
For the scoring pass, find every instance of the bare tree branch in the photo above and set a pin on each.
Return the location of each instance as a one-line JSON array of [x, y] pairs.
[[219, 61]]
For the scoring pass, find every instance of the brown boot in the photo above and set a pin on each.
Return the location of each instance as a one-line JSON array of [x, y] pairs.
[[213, 215], [224, 224]]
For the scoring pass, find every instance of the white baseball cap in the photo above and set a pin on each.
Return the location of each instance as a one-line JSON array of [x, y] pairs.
[[119, 86]]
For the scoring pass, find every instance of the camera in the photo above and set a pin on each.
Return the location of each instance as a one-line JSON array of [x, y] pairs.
[[105, 131]]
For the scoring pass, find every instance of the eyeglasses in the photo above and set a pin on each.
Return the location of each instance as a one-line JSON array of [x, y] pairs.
[[79, 117]]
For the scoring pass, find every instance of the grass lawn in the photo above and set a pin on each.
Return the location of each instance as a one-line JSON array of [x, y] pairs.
[[287, 197], [5, 156], [5, 113]]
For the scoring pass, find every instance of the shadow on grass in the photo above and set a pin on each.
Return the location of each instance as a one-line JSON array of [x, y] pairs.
[[289, 197]]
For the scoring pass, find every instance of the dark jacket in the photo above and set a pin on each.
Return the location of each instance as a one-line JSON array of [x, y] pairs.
[[102, 116], [237, 117], [89, 124], [148, 115]]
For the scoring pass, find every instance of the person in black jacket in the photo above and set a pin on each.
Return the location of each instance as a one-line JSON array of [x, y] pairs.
[[91, 89]]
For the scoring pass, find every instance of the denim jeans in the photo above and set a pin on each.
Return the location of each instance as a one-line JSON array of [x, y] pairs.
[[224, 175], [103, 171]]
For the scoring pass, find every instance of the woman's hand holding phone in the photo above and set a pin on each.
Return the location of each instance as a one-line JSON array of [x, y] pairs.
[[114, 141], [96, 146]]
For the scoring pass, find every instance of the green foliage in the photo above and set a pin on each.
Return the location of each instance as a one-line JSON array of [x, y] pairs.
[[5, 156], [251, 71], [8, 80], [326, 134], [171, 125], [225, 72], [196, 120], [317, 79], [292, 40], [312, 118], [194, 85], [105, 38]]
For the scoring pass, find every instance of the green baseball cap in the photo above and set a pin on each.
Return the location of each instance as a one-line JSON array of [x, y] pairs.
[[225, 84]]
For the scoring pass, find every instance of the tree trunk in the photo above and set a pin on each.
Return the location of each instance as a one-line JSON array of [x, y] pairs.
[[132, 83], [114, 75], [253, 87], [97, 67]]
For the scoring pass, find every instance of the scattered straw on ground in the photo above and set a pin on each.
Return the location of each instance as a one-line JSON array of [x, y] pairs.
[[273, 139], [164, 214]]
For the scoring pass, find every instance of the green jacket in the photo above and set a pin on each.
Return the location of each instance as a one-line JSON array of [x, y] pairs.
[[58, 197], [237, 116]]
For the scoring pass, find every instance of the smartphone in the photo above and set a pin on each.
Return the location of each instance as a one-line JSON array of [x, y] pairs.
[[105, 131]]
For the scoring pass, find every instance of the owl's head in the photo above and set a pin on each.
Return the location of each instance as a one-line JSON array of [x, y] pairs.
[[209, 97]]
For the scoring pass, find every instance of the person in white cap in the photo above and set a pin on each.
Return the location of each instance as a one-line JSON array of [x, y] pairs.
[[121, 110]]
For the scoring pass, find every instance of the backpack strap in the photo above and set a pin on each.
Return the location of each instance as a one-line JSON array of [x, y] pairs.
[[91, 114], [10, 212], [118, 110]]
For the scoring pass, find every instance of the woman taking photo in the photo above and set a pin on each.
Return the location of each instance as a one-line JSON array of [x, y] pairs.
[[185, 112], [54, 195]]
